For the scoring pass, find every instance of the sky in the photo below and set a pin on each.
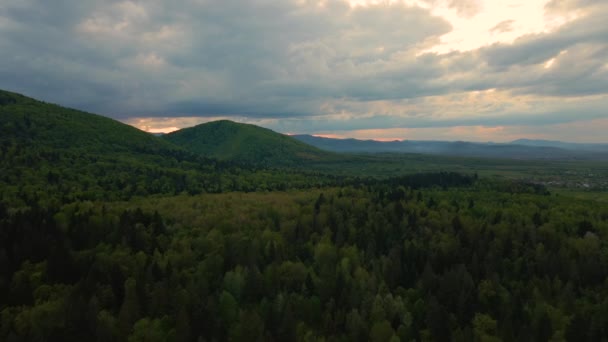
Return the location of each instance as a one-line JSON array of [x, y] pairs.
[[474, 70]]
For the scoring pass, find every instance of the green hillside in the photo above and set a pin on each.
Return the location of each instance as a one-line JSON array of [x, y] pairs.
[[50, 154], [28, 121], [227, 140]]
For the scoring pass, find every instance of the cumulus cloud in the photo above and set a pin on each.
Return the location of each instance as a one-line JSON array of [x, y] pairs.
[[304, 65]]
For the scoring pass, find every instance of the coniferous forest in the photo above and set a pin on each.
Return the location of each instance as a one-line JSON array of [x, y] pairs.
[[108, 233]]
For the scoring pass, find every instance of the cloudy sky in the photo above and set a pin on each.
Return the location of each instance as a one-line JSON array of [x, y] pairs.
[[477, 70]]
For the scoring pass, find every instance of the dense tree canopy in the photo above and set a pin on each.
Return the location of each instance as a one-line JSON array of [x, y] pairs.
[[350, 263]]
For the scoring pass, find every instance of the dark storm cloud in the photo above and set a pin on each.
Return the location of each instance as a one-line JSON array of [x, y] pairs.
[[511, 118], [219, 57], [288, 59]]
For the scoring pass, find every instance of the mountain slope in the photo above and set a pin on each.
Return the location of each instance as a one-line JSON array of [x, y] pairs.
[[227, 140], [31, 122], [51, 153]]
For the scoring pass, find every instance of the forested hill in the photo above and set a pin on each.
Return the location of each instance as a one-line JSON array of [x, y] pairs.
[[227, 140], [29, 122], [50, 154]]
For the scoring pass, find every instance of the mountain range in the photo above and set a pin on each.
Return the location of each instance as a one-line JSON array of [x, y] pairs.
[[562, 145], [518, 149], [30, 124]]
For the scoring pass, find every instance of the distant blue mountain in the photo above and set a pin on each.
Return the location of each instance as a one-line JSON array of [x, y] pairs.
[[562, 145], [518, 149]]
